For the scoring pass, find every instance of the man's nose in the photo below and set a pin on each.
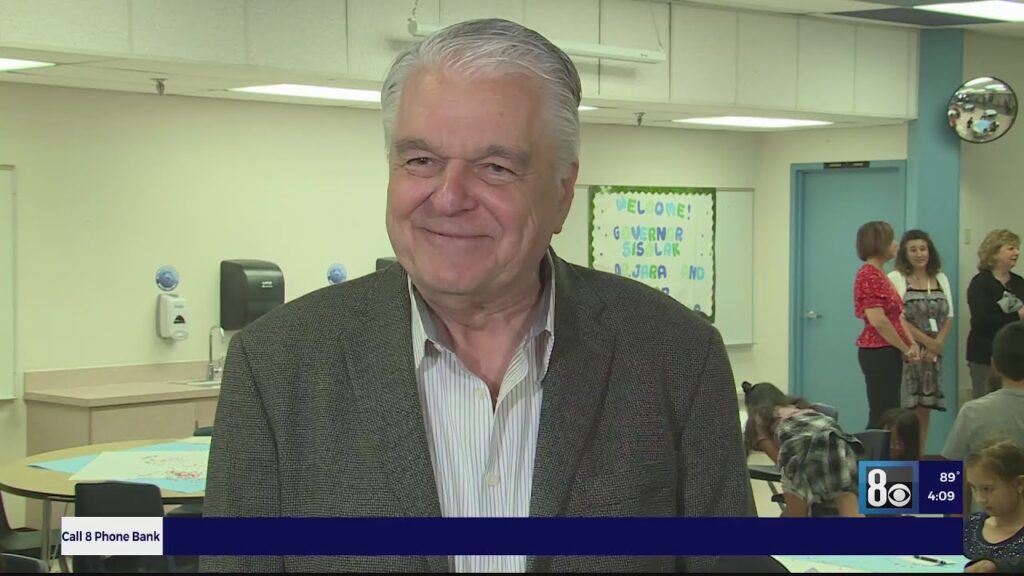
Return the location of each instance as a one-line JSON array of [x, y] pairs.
[[453, 194]]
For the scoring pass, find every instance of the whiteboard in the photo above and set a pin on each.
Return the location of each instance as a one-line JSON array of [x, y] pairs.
[[734, 266], [734, 256]]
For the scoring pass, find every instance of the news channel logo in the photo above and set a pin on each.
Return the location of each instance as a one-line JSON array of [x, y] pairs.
[[888, 487]]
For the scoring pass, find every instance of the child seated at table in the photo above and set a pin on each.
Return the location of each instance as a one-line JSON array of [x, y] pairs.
[[995, 473], [904, 433], [816, 458]]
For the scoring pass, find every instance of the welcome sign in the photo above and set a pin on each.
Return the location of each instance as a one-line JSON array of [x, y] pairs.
[[663, 237]]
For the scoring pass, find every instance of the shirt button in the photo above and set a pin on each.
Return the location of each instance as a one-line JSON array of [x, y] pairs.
[[481, 394], [491, 479]]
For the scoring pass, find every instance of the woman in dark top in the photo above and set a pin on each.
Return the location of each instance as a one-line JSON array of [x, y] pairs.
[[995, 298]]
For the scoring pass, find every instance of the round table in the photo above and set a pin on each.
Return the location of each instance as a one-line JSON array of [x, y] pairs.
[[22, 479]]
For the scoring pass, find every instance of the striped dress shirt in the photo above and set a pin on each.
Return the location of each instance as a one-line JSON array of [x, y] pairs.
[[483, 456]]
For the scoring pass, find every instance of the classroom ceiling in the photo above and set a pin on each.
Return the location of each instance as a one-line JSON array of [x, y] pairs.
[[898, 12], [207, 79]]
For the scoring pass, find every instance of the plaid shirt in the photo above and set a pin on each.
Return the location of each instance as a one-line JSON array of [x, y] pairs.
[[817, 459]]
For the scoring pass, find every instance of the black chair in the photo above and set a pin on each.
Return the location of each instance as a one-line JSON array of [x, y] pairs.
[[18, 564], [828, 410], [876, 444], [748, 565], [22, 542], [123, 499]]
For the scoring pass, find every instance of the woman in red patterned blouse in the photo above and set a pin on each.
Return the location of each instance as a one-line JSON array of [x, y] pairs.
[[884, 344]]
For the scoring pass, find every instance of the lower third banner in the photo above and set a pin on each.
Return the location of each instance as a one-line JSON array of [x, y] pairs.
[[554, 536]]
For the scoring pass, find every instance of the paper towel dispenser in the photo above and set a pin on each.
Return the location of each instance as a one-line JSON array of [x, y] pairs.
[[248, 289]]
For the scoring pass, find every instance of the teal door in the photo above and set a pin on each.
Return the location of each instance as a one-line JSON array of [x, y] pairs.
[[829, 205]]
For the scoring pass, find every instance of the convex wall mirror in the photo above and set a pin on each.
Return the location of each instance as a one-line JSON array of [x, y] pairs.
[[982, 109]]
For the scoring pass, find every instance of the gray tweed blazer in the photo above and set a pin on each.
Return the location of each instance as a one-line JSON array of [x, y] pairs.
[[319, 415]]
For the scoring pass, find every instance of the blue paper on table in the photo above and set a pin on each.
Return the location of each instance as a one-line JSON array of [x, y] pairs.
[[889, 564], [74, 465], [69, 465]]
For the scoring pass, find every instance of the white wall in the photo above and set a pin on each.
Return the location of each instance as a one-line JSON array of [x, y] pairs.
[[620, 155], [113, 185], [990, 174]]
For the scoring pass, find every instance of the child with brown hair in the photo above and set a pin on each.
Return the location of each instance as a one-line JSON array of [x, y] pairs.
[[904, 433], [995, 536], [817, 460]]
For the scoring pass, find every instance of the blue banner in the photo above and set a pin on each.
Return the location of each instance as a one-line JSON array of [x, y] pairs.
[[562, 536], [941, 488]]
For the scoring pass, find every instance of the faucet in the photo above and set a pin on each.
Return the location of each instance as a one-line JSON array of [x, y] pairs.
[[212, 371]]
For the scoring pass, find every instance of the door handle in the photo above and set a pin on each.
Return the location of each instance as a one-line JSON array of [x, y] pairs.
[[812, 315]]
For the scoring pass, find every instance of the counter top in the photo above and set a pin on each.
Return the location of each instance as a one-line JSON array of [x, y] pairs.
[[98, 395]]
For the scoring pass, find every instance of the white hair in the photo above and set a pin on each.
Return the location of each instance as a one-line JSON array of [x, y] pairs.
[[489, 47]]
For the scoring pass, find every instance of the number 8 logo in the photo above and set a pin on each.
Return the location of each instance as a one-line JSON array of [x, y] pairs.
[[876, 487]]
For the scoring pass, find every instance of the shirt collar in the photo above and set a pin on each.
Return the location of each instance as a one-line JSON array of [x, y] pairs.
[[425, 332]]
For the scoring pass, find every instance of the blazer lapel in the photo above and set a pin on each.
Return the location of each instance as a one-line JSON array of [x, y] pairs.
[[574, 392], [382, 375]]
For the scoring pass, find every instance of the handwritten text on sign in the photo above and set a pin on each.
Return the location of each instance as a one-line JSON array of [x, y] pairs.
[[663, 237]]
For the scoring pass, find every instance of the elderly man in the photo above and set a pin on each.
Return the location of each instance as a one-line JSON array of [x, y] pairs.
[[482, 375]]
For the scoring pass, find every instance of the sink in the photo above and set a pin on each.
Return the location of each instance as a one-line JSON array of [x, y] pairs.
[[200, 383]]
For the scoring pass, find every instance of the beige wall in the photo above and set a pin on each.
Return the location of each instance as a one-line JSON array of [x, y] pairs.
[[112, 185], [991, 174]]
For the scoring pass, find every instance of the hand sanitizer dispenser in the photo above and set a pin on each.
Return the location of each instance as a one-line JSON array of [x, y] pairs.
[[172, 317]]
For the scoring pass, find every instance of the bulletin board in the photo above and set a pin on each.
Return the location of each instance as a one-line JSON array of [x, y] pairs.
[[661, 236]]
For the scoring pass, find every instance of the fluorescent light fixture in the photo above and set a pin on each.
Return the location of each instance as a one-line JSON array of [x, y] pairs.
[[8, 64], [991, 9], [585, 108], [752, 122], [306, 91], [979, 81], [641, 55]]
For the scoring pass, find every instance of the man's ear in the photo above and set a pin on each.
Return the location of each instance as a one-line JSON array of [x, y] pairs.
[[746, 387]]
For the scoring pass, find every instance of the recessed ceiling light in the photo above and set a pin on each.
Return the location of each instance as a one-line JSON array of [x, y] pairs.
[[306, 91], [585, 108], [8, 64], [752, 122], [991, 9]]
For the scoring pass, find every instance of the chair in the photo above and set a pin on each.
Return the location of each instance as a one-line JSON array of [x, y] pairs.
[[876, 444], [748, 565], [830, 411], [18, 564], [22, 542], [123, 499]]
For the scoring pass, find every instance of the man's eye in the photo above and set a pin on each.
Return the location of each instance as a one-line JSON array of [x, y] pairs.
[[498, 169], [419, 162]]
